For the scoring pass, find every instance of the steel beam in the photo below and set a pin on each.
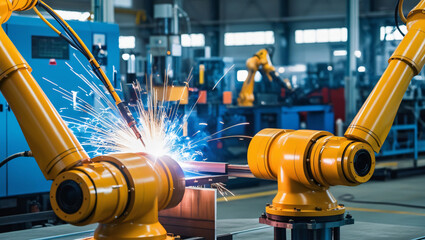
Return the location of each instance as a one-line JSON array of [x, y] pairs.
[[351, 93]]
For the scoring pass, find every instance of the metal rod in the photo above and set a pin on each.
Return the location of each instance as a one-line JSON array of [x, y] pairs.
[[239, 171], [279, 233], [27, 217], [336, 233]]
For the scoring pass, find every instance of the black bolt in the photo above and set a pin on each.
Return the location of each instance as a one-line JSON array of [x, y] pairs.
[[318, 209], [342, 205], [349, 216], [263, 215]]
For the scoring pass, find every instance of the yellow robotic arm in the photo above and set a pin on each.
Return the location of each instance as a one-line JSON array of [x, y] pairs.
[[121, 192], [253, 64], [306, 163]]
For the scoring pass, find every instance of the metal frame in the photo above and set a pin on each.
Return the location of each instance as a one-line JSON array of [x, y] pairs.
[[311, 229], [27, 217]]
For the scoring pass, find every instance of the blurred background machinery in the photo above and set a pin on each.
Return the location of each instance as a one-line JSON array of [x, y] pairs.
[[332, 58]]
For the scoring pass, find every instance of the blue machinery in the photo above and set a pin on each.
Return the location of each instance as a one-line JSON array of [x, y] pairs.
[[317, 117], [406, 135], [47, 54]]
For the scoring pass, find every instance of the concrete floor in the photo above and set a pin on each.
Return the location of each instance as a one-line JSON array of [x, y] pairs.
[[240, 214], [372, 221]]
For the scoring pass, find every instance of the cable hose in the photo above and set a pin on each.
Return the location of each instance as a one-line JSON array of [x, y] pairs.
[[396, 17], [77, 45], [350, 198], [16, 155], [70, 37]]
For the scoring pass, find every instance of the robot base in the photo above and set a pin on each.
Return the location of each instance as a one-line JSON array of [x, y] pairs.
[[315, 228]]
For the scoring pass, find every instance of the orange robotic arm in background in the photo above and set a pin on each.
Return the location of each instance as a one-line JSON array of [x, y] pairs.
[[121, 192], [253, 64], [306, 163]]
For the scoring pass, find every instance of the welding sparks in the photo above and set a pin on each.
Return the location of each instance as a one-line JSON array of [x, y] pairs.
[[221, 188], [228, 70], [163, 127], [106, 132]]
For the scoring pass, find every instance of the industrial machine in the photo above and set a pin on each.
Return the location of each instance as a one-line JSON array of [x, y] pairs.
[[111, 190], [124, 192], [164, 65], [406, 139], [306, 163], [259, 62], [165, 47], [23, 188], [212, 81]]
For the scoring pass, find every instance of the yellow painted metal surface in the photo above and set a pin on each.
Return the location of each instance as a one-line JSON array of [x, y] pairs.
[[374, 120], [172, 94], [305, 164], [201, 74], [104, 189], [123, 193], [54, 146], [260, 59]]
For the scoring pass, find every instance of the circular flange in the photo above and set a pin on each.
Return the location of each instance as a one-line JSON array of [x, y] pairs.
[[67, 183]]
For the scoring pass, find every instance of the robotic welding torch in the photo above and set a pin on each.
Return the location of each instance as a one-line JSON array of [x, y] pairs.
[[128, 117]]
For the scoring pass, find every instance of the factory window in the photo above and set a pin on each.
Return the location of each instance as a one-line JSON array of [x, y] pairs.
[[249, 38], [241, 76], [123, 3], [127, 42], [390, 33], [341, 53], [73, 15], [193, 40], [322, 35]]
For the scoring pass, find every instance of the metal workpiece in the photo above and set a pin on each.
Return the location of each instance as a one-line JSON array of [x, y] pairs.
[[220, 169], [207, 173], [305, 164], [243, 171], [121, 192]]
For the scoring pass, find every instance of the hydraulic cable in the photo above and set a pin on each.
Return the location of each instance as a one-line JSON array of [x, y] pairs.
[[16, 155], [57, 31], [399, 11], [350, 198], [75, 41]]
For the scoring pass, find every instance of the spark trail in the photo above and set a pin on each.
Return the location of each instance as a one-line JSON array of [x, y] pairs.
[[101, 129]]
